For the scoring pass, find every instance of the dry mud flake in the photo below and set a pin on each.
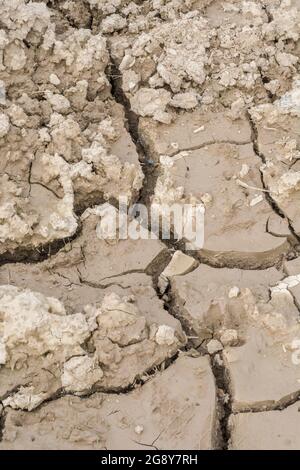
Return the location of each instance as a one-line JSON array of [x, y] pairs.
[[162, 414], [271, 430], [254, 325]]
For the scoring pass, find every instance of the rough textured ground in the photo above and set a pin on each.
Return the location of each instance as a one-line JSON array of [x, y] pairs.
[[186, 101]]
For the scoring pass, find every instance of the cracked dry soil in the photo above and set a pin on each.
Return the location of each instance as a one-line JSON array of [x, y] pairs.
[[167, 101]]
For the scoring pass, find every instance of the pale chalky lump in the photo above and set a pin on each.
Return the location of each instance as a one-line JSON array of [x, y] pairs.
[[32, 325], [43, 350]]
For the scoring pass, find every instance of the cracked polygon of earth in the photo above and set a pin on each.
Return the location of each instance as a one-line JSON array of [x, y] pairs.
[[83, 268], [211, 157], [258, 358], [269, 430], [163, 413]]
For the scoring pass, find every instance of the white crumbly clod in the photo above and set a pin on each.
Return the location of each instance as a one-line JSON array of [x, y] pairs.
[[59, 103], [32, 325], [286, 284], [53, 78], [19, 19], [214, 346], [150, 102], [81, 51], [283, 185], [113, 23], [106, 7], [234, 292], [32, 226], [17, 116], [98, 170], [131, 80], [286, 60], [80, 374], [4, 125], [186, 100], [165, 336], [229, 337], [120, 320], [252, 9], [288, 104], [25, 399], [139, 429]]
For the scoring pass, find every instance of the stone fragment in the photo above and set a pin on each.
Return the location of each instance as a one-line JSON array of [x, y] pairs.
[[150, 102], [214, 346], [179, 265]]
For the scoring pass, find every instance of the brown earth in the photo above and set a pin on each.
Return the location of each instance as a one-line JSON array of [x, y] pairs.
[[161, 101]]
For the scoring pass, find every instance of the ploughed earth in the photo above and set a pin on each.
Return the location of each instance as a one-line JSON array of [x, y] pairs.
[[148, 343]]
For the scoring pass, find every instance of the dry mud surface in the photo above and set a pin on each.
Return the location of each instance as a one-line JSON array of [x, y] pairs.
[[166, 101]]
